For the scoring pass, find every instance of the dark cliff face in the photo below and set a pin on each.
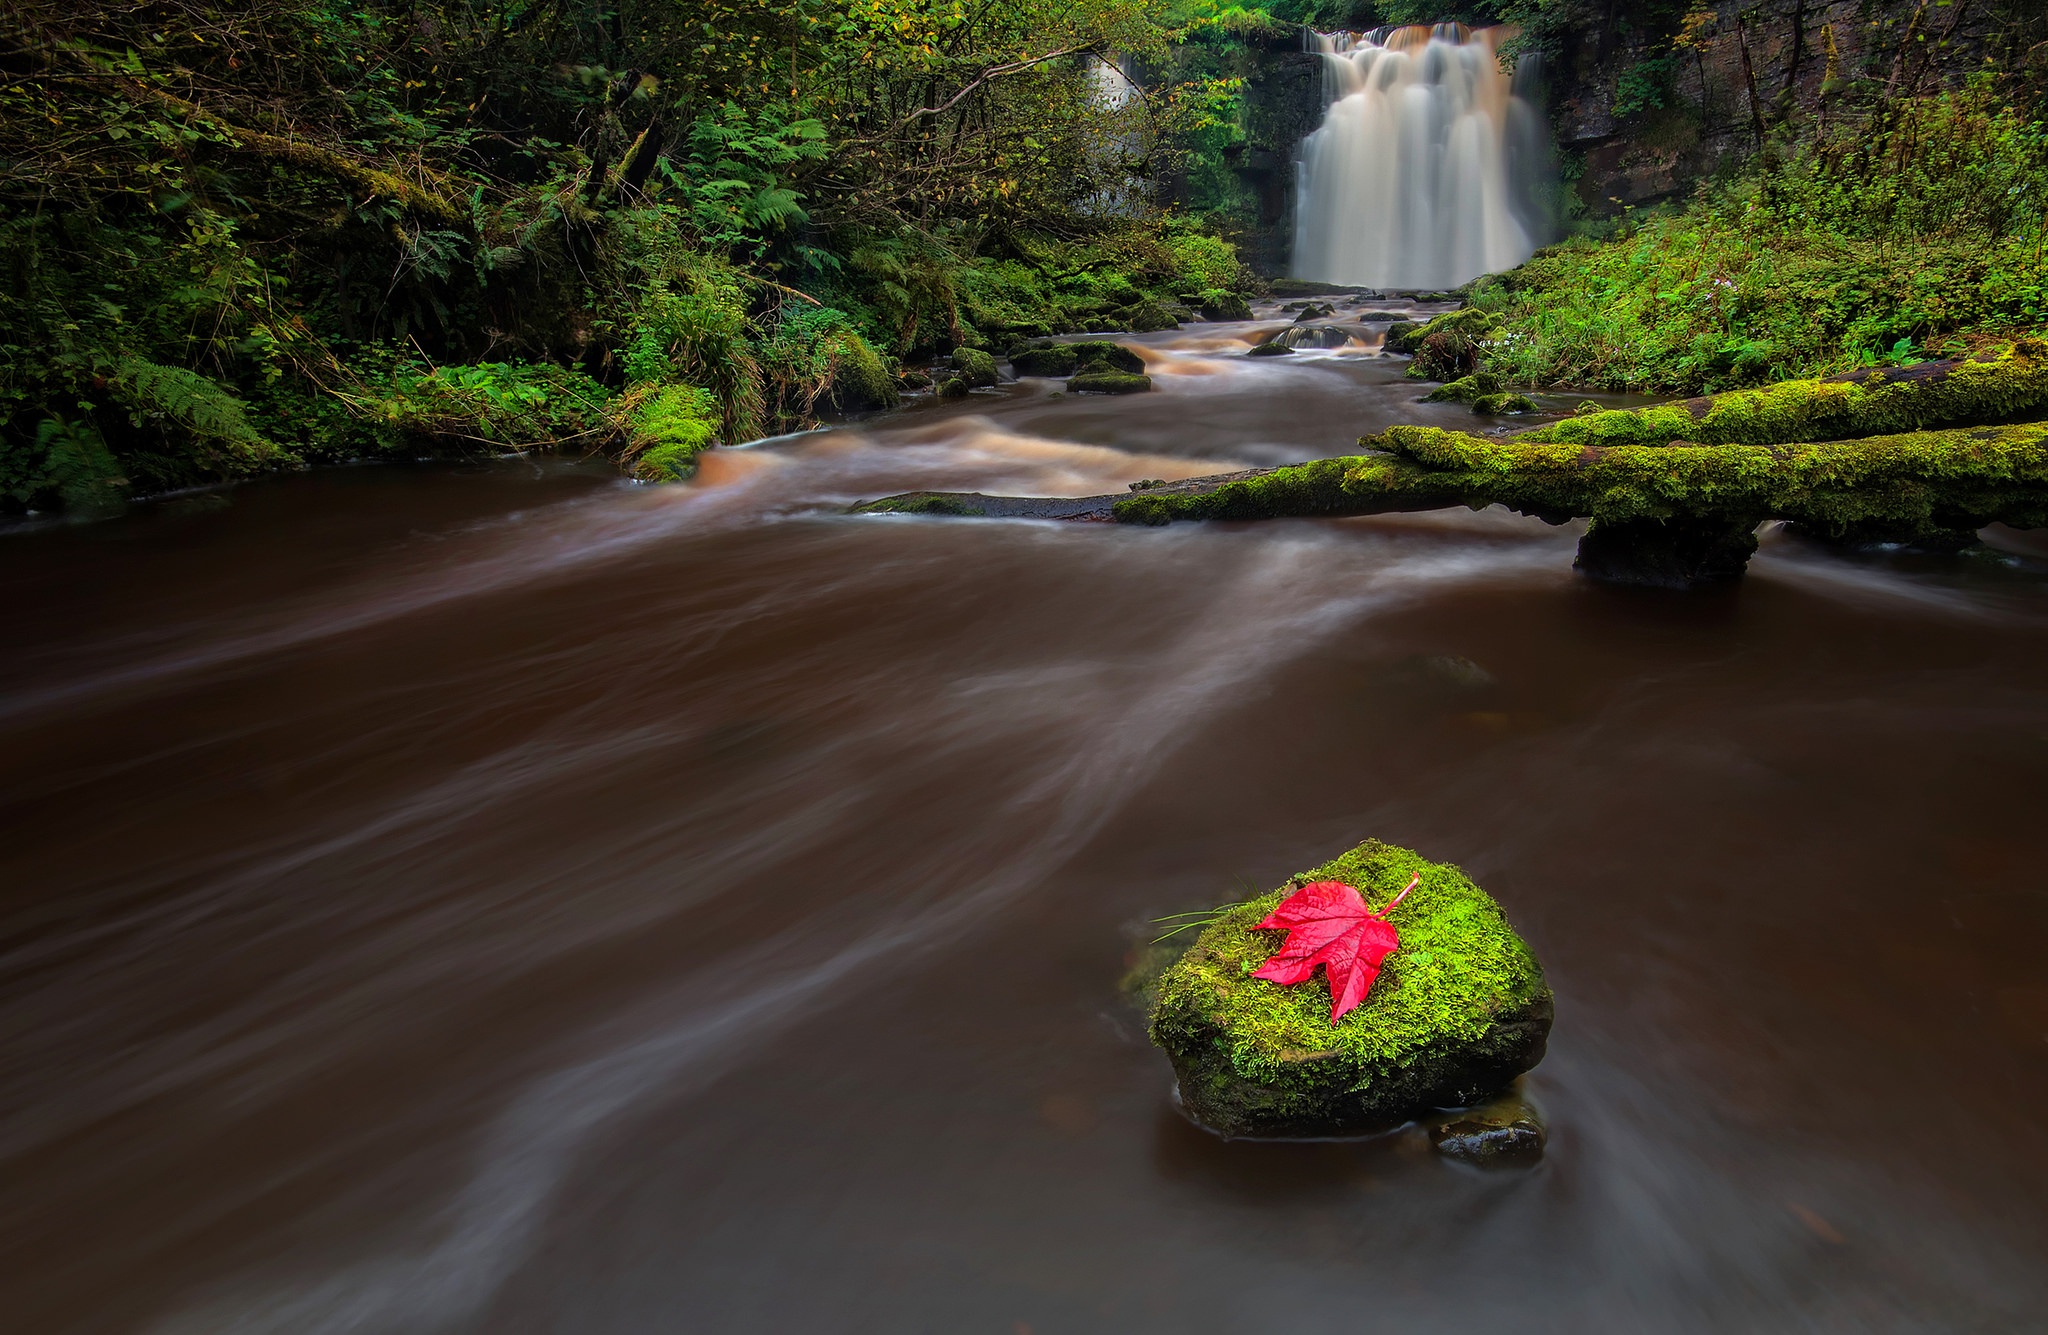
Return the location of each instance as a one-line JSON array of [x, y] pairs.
[[1639, 117], [1249, 182], [1283, 101]]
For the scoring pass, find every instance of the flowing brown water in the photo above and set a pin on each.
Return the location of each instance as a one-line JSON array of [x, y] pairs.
[[505, 900]]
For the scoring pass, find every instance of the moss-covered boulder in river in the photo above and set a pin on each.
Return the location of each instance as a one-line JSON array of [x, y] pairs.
[[1458, 1011], [1109, 382], [975, 367]]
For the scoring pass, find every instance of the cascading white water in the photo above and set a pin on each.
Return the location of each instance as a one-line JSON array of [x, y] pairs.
[[1430, 165]]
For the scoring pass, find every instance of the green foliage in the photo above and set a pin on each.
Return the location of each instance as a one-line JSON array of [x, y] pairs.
[[303, 231], [493, 403], [1645, 85], [1998, 385], [1911, 237]]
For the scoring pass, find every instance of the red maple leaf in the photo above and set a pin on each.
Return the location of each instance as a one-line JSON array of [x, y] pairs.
[[1329, 923]]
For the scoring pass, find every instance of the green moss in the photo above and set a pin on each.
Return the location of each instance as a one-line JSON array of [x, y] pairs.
[[1104, 355], [1448, 347], [1465, 389], [1502, 405], [915, 503], [1903, 487], [1998, 385], [1044, 358], [976, 367], [1255, 1055], [1109, 382], [860, 377], [1149, 317], [667, 427]]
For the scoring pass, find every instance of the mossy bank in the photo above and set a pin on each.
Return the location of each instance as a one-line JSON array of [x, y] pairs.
[[1458, 1011]]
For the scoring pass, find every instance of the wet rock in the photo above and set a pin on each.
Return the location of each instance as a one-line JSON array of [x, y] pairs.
[[953, 388], [1313, 311], [1499, 1135], [1225, 306], [1457, 1012], [1106, 356], [1271, 348], [1044, 359], [1109, 382], [1503, 405], [1401, 337], [1675, 553], [975, 367], [1149, 317], [914, 380], [1465, 389]]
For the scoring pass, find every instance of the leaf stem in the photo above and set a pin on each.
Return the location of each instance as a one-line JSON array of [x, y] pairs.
[[1413, 881]]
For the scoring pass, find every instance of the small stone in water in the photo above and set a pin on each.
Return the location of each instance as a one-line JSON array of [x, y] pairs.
[[1483, 1143]]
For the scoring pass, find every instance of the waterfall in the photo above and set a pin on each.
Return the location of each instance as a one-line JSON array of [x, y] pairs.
[[1431, 164]]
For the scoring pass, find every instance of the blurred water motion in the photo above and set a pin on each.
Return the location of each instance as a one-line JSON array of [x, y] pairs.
[[503, 900]]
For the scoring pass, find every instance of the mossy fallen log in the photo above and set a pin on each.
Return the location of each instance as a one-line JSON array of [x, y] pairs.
[[1458, 1011], [2002, 384], [1668, 515], [1662, 515]]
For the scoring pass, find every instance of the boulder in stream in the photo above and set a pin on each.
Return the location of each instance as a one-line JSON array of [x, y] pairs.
[[1457, 1012], [1109, 382], [975, 367]]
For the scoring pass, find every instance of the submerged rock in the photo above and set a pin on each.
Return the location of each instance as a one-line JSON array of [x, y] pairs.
[[1502, 1133], [1457, 1012]]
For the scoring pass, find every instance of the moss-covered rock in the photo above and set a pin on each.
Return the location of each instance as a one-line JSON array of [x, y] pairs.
[[1218, 305], [1109, 382], [1458, 1011], [1044, 358], [1104, 355], [1999, 385], [1503, 405], [1465, 389], [953, 387], [975, 367], [861, 379], [1447, 348], [1149, 317], [1271, 348]]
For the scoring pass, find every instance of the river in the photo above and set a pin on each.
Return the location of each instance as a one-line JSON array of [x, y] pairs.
[[502, 898]]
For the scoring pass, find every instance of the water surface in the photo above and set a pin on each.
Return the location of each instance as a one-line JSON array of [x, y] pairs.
[[502, 899]]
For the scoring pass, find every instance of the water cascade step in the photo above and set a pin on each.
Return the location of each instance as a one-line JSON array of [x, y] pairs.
[[1432, 165]]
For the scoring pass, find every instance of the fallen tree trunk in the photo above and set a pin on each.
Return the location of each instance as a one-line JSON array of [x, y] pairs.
[[1666, 515]]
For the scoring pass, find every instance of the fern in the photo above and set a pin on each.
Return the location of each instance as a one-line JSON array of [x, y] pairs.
[[211, 414]]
